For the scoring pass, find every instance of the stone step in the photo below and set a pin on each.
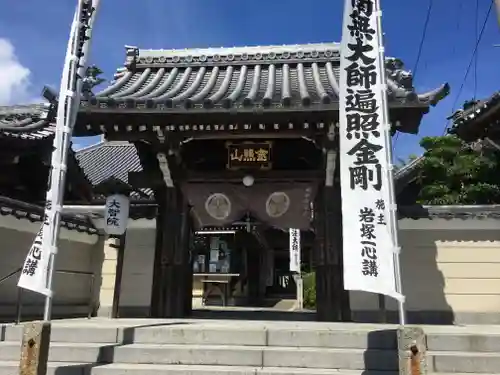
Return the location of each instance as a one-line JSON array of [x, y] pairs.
[[463, 342], [463, 362], [66, 368], [53, 368], [216, 355], [143, 369], [110, 335], [182, 334]]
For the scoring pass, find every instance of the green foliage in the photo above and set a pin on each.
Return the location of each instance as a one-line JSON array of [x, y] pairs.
[[455, 172], [309, 280]]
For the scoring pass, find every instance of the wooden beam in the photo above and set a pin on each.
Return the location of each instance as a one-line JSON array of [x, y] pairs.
[[142, 180], [237, 176]]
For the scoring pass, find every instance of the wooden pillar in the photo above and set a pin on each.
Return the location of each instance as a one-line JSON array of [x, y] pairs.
[[182, 258], [253, 269], [263, 272], [156, 295], [115, 311], [172, 259], [332, 302], [188, 246], [170, 275]]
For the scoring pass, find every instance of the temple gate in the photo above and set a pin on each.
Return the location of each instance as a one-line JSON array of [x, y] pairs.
[[245, 135]]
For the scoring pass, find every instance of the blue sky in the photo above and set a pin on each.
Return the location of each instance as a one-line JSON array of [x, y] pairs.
[[38, 31]]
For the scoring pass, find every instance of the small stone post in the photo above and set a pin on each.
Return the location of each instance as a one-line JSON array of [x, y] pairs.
[[299, 282], [35, 348], [412, 351]]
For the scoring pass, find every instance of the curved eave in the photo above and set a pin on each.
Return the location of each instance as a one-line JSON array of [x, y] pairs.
[[266, 86], [478, 120], [31, 122], [131, 123], [34, 213]]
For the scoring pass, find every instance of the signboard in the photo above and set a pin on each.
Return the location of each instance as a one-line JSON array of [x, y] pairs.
[[294, 250], [34, 272], [365, 155], [116, 214], [249, 155]]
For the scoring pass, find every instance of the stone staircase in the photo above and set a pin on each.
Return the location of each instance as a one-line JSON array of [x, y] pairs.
[[463, 350], [195, 347]]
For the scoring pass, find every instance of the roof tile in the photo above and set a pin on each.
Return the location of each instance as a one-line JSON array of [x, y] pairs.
[[106, 160], [34, 213], [27, 121], [243, 77]]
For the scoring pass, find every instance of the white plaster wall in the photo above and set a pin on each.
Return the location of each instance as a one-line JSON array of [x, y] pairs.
[[138, 268], [68, 289], [455, 271], [444, 270]]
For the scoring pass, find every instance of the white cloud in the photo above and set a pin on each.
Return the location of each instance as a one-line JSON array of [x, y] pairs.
[[14, 77]]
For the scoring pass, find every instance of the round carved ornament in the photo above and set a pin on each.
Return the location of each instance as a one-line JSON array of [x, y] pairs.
[[277, 204], [218, 206]]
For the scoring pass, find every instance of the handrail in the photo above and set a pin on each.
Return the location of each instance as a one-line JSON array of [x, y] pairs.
[[10, 275], [64, 272]]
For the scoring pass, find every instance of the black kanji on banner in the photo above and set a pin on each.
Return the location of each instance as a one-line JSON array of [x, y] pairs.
[[30, 267], [361, 106], [367, 218], [380, 206]]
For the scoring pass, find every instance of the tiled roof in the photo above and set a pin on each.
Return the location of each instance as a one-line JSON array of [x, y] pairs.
[[279, 77], [106, 160], [484, 112], [34, 213], [450, 212], [27, 121], [407, 173], [35, 122]]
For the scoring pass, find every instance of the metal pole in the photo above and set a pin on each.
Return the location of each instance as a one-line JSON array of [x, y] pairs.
[[69, 100], [393, 219]]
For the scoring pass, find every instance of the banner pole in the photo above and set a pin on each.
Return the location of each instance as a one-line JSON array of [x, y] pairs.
[[393, 218], [74, 70]]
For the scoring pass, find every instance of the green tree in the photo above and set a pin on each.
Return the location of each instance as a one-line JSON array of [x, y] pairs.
[[455, 172]]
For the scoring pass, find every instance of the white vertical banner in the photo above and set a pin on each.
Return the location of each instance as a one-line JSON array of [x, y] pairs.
[[74, 70], [369, 244], [294, 250], [34, 272]]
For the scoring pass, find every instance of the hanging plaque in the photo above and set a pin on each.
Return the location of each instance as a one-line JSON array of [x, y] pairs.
[[249, 155]]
